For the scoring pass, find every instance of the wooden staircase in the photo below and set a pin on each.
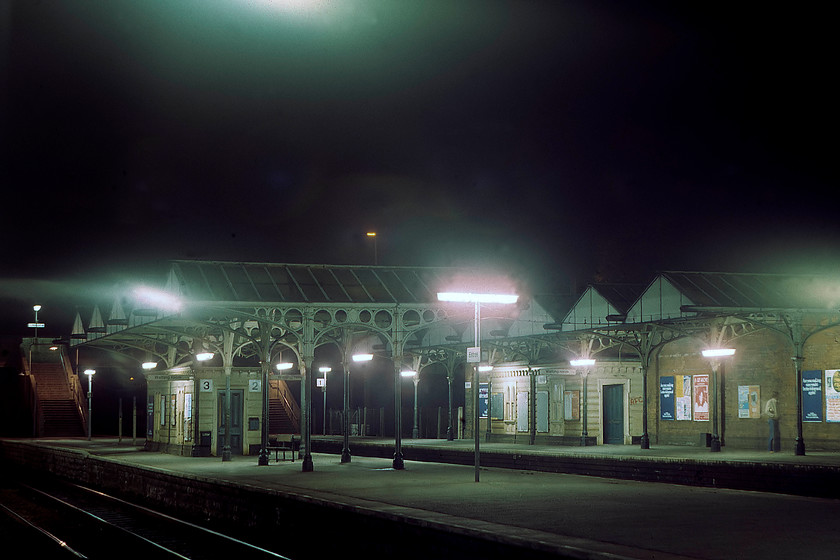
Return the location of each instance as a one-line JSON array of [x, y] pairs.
[[60, 413], [283, 409]]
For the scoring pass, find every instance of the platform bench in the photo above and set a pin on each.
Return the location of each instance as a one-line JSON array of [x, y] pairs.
[[282, 444]]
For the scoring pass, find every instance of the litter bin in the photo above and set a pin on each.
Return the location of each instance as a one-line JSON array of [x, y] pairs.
[[205, 439]]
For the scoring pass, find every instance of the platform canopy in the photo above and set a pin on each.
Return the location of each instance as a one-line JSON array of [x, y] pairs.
[[278, 305]]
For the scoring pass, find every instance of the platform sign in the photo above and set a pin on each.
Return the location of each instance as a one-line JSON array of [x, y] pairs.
[[473, 354], [35, 325]]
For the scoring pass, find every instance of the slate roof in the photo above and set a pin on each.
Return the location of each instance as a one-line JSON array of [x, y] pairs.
[[757, 291], [307, 283]]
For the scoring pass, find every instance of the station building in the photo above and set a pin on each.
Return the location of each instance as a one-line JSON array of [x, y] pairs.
[[643, 380]]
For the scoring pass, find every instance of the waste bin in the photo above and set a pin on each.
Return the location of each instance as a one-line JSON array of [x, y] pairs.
[[205, 439]]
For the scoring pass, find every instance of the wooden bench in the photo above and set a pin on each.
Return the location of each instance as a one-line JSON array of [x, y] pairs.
[[282, 443]]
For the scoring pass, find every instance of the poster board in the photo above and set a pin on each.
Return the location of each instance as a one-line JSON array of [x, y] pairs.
[[832, 395], [701, 398], [749, 401]]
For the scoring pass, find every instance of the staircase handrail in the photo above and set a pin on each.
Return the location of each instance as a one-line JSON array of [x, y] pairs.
[[289, 404], [75, 385]]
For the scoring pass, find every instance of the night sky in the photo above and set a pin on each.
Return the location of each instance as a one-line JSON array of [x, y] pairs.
[[576, 141]]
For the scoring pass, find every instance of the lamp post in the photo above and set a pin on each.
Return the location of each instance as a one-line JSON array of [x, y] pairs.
[[358, 358], [323, 382], [147, 366], [372, 235], [36, 308], [90, 373], [415, 377], [474, 353], [583, 364], [716, 355], [198, 449]]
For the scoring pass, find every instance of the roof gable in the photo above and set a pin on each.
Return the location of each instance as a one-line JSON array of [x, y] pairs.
[[661, 300], [599, 305]]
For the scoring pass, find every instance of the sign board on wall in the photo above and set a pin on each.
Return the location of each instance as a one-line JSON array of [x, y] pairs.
[[812, 396], [666, 398], [749, 401], [571, 405], [701, 398], [832, 395], [682, 397]]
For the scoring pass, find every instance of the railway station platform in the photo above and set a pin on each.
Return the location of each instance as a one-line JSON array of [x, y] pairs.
[[532, 501]]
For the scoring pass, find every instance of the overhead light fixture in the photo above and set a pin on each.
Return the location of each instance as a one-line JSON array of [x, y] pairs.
[[582, 362], [467, 297], [718, 352]]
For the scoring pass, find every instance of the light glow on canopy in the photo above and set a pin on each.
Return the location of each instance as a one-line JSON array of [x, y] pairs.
[[468, 297], [157, 299]]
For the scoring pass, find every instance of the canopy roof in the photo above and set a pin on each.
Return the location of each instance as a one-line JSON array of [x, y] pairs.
[[247, 282]]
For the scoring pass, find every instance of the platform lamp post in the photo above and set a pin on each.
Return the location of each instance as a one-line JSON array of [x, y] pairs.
[[715, 355], [584, 364], [474, 353], [149, 366], [372, 235], [90, 373], [323, 383], [198, 448], [415, 377], [358, 358]]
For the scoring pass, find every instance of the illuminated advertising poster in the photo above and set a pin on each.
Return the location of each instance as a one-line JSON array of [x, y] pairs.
[[571, 405], [682, 390], [832, 395], [483, 398], [701, 398], [749, 401], [812, 397], [666, 397]]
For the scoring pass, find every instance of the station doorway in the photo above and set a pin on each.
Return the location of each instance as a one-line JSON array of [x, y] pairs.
[[235, 422]]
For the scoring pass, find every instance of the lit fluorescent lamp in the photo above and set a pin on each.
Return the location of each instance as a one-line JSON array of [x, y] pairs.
[[204, 356], [582, 362], [149, 365], [466, 297], [408, 373], [362, 357], [718, 352], [284, 366]]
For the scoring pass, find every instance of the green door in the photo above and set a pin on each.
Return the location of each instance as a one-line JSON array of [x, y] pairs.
[[614, 414], [235, 423]]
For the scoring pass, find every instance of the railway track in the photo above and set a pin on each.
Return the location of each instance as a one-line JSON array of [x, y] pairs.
[[62, 520]]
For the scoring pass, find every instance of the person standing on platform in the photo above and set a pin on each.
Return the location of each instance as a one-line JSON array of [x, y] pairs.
[[772, 413]]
